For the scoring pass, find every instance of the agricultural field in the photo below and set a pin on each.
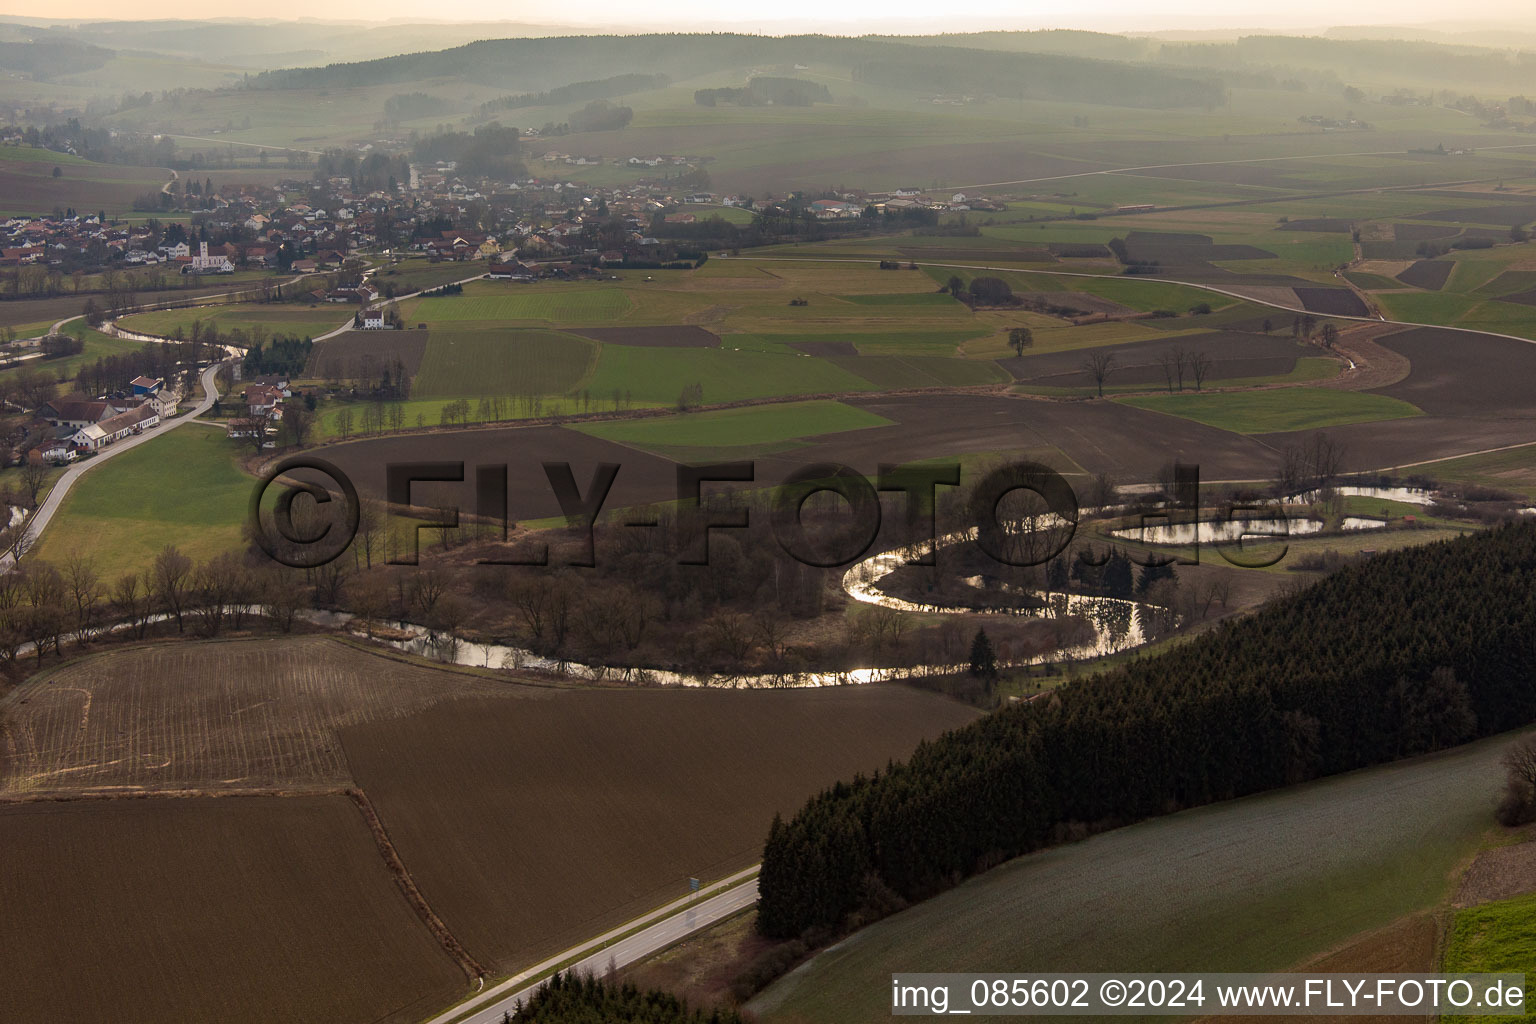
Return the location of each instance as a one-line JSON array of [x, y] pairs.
[[671, 784], [257, 320], [1275, 410], [409, 276], [348, 353], [471, 363], [211, 717], [511, 303], [779, 425], [27, 184], [683, 783], [182, 488], [657, 376], [1257, 884], [245, 910], [1512, 469]]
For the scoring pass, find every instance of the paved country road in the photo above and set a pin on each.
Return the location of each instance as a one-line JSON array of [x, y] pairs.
[[381, 302], [61, 487], [670, 923]]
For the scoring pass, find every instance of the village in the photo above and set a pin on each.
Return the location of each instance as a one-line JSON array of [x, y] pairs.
[[304, 226]]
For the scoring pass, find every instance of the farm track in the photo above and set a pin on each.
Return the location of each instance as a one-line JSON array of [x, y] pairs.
[[472, 968], [1376, 366]]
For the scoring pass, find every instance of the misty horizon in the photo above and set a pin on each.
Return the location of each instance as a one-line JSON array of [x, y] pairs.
[[1106, 16]]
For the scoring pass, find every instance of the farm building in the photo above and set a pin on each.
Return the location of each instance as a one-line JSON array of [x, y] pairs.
[[75, 410], [98, 435]]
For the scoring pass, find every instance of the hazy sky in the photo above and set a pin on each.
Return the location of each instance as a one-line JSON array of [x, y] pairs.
[[851, 15]]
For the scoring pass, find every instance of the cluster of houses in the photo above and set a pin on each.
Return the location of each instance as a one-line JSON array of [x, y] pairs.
[[554, 156], [262, 405], [81, 425]]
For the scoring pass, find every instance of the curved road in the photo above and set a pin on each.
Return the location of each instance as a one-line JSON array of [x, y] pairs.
[[55, 498], [671, 923]]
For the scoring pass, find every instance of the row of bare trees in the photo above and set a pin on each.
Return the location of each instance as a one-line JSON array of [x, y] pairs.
[[46, 606], [1177, 365]]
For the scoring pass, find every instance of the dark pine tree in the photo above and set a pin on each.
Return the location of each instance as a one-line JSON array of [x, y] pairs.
[[983, 658]]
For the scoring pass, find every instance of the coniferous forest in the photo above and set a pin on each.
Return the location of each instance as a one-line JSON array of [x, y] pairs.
[[572, 999], [1406, 653]]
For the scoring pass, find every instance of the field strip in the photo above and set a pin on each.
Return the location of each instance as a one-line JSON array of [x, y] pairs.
[[1188, 284], [623, 945], [1165, 280], [471, 967], [66, 797], [1211, 163], [1467, 455]]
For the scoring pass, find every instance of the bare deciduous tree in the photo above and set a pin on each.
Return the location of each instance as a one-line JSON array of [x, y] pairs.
[[1199, 368], [85, 594], [1099, 365], [34, 474], [171, 573]]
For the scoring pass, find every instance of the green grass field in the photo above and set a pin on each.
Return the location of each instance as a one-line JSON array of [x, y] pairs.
[[1277, 409], [182, 488], [1512, 470], [509, 362], [1258, 884], [656, 376], [414, 275], [96, 346], [763, 424], [1494, 938], [261, 320], [500, 302], [902, 299]]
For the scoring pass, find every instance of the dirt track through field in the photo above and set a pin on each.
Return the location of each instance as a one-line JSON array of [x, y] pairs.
[[1375, 366]]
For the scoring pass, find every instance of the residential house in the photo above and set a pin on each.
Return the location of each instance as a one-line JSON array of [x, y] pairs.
[[264, 400], [58, 451], [274, 380], [244, 427]]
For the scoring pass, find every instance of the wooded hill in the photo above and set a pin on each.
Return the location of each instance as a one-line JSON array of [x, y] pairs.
[[1406, 653], [532, 63]]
